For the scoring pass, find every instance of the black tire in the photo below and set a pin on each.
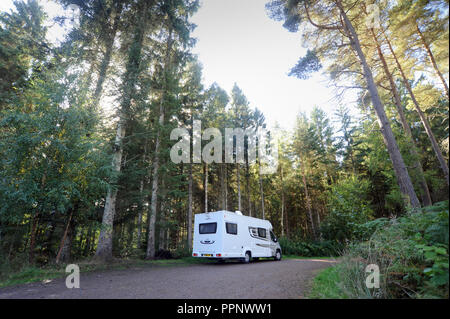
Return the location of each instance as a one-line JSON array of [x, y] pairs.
[[255, 258], [247, 258], [277, 256]]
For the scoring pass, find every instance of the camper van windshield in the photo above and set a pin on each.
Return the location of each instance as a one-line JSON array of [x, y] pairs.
[[208, 228]]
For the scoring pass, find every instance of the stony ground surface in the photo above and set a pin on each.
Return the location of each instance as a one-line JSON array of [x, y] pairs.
[[286, 279]]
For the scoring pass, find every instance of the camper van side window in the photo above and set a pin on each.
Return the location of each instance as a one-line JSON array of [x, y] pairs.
[[231, 228], [262, 232], [208, 228], [253, 231]]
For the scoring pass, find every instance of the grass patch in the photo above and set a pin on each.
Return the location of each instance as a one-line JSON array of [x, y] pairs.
[[32, 274], [326, 285], [303, 257]]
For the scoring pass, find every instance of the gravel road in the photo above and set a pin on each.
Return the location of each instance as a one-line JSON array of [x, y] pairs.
[[286, 279]]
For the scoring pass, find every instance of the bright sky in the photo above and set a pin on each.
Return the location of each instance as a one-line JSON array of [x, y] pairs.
[[238, 42]]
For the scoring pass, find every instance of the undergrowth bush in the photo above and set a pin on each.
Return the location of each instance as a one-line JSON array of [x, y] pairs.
[[310, 249], [411, 253], [181, 251]]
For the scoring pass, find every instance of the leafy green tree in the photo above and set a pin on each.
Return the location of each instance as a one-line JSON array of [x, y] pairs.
[[349, 209], [48, 139]]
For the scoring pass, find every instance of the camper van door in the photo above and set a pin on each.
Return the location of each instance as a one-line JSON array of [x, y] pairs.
[[261, 241]]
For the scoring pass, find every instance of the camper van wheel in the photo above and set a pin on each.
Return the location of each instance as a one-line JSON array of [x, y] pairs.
[[247, 258], [277, 255]]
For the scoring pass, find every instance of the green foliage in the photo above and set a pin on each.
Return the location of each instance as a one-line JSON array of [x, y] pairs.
[[411, 253], [306, 65], [181, 251], [437, 256], [349, 210], [22, 47], [372, 226], [326, 285], [310, 249]]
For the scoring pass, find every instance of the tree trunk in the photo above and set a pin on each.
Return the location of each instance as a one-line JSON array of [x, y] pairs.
[[282, 201], [238, 177], [403, 178], [225, 166], [66, 248], [222, 188], [206, 186], [247, 186], [162, 221], [422, 116], [140, 214], [425, 193], [318, 225], [141, 200], [34, 219], [63, 239], [308, 201], [189, 219], [104, 246], [150, 254], [432, 60], [261, 191], [167, 239]]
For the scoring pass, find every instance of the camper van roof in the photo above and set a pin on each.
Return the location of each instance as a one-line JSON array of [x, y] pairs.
[[222, 211], [230, 212]]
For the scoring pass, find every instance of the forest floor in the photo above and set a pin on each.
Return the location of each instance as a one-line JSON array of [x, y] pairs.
[[286, 279]]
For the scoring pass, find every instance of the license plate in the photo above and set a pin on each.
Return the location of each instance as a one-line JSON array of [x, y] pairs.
[[207, 255]]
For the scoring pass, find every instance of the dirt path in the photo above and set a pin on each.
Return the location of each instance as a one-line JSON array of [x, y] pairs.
[[288, 278]]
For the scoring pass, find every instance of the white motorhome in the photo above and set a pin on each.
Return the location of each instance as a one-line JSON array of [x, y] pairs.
[[225, 235]]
